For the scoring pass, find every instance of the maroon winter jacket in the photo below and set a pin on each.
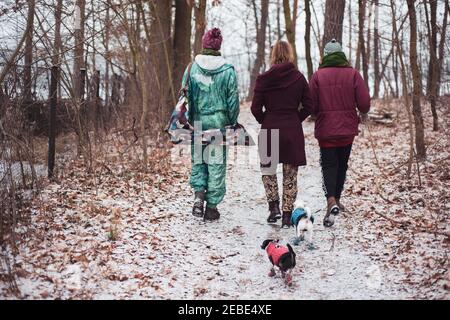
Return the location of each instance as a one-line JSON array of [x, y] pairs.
[[278, 95], [337, 93]]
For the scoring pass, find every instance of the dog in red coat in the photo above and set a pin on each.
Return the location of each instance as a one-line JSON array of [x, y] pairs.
[[280, 256]]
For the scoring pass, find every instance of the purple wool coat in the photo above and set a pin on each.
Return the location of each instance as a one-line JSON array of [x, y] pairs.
[[282, 101], [337, 93]]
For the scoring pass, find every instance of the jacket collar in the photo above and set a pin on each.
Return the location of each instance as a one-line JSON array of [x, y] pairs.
[[210, 63], [278, 77]]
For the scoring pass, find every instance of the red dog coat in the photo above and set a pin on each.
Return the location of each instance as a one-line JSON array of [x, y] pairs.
[[275, 251]]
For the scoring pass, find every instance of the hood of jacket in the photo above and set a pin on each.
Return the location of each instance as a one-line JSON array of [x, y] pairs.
[[280, 76], [210, 65]]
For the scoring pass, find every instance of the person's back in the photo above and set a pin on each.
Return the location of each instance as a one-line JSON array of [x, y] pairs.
[[214, 102], [338, 91], [211, 85], [278, 94]]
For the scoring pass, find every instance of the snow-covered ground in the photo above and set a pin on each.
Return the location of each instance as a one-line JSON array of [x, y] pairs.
[[123, 234]]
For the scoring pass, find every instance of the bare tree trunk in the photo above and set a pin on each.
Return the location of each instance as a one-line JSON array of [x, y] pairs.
[[107, 58], [161, 48], [56, 59], [279, 20], [442, 43], [432, 83], [350, 32], [404, 87], [12, 59], [308, 26], [181, 40], [52, 122], [376, 52], [145, 106], [80, 6], [200, 25], [395, 67], [417, 88], [261, 46], [334, 22], [361, 40], [27, 81], [78, 80], [290, 21]]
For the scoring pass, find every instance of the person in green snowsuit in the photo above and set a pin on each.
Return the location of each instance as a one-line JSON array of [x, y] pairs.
[[214, 102]]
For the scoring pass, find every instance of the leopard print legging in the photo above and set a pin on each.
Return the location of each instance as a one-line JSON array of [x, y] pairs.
[[289, 187]]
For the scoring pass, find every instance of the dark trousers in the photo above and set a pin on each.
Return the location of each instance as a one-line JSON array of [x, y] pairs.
[[334, 162]]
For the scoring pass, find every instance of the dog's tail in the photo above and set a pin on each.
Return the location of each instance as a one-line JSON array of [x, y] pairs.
[[292, 252], [308, 212], [299, 204]]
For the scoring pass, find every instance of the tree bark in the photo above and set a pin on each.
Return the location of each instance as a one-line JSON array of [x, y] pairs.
[[27, 79], [162, 55], [52, 123], [350, 37], [334, 22], [200, 25], [290, 21], [108, 59], [279, 35], [12, 60], [417, 88], [432, 83], [56, 59], [181, 40], [361, 40], [404, 87], [376, 52], [261, 47], [442, 43], [80, 6], [308, 26]]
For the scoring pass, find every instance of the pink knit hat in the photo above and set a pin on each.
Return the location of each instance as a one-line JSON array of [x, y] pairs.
[[212, 39]]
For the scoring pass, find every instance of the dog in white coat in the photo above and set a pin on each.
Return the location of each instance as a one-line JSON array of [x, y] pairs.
[[303, 221]]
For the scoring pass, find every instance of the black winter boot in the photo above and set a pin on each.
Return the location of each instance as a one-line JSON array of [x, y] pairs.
[[211, 214], [199, 204], [275, 214], [286, 221]]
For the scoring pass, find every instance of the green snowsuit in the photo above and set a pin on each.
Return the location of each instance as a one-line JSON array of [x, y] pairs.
[[214, 101]]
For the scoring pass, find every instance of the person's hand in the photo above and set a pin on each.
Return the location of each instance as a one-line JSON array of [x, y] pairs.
[[364, 117]]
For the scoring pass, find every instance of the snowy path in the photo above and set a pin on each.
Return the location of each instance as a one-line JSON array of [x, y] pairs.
[[224, 260], [163, 252]]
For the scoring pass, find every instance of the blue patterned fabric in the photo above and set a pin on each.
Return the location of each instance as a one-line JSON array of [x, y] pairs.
[[298, 214]]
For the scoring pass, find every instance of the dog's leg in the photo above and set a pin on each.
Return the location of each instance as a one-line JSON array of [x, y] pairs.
[[310, 238], [272, 272], [310, 232], [288, 278], [298, 232]]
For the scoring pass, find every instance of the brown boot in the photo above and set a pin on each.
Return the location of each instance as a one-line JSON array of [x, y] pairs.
[[275, 213], [286, 221], [332, 212]]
